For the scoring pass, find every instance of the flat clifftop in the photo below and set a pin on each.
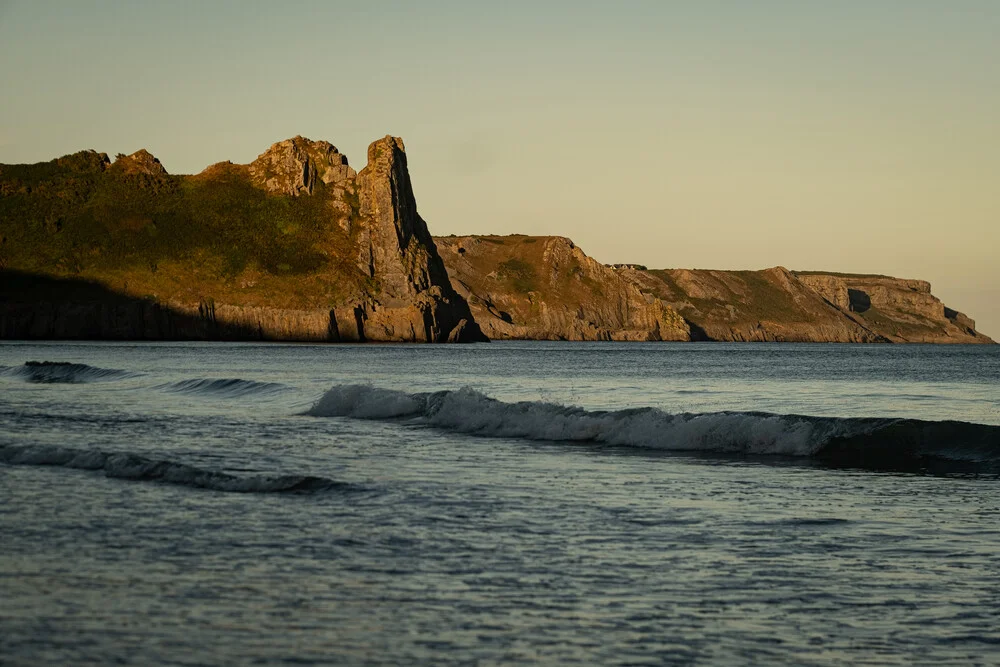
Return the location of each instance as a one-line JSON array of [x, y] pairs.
[[546, 287], [294, 246]]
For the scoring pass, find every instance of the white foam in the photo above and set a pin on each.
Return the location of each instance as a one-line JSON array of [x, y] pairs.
[[470, 411]]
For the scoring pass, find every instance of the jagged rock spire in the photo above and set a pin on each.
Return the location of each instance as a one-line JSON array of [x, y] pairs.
[[293, 166]]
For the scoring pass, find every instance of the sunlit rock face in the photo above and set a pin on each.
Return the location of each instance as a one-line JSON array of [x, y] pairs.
[[547, 288], [294, 165]]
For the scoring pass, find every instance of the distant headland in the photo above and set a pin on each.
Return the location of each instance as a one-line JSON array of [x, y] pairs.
[[298, 246]]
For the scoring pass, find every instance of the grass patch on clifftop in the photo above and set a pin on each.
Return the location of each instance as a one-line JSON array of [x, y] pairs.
[[519, 273], [78, 221], [767, 300], [750, 298], [163, 233]]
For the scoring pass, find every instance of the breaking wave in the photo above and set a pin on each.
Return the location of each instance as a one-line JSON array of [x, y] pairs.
[[140, 468], [62, 372], [229, 387], [861, 442]]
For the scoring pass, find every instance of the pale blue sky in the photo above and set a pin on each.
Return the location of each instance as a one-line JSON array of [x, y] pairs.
[[852, 136]]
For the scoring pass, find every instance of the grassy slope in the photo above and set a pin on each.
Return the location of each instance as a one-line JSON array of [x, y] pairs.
[[512, 269], [746, 297], [175, 237]]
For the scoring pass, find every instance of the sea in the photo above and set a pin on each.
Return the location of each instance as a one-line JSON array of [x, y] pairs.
[[504, 503]]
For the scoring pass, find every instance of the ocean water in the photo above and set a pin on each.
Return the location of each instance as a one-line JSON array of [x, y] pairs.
[[555, 503]]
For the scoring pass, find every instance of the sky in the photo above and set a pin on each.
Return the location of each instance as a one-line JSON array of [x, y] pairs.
[[854, 136]]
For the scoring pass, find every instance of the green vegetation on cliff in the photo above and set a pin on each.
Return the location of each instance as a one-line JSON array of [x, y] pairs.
[[113, 220], [77, 216]]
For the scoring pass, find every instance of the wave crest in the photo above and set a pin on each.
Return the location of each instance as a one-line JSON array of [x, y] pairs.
[[139, 468], [63, 372], [367, 402], [229, 387], [865, 442]]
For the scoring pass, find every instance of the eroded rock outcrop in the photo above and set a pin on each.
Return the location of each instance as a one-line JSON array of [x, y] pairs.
[[293, 166], [780, 305], [140, 162], [393, 241], [547, 288], [415, 298], [761, 306], [901, 310]]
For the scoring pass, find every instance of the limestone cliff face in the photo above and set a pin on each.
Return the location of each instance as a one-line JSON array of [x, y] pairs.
[[293, 166], [298, 246], [294, 246], [116, 319], [547, 288], [395, 249], [780, 305], [394, 243], [760, 306], [901, 310]]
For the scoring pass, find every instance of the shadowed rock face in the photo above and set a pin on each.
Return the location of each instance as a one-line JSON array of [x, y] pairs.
[[394, 242], [396, 249], [294, 246]]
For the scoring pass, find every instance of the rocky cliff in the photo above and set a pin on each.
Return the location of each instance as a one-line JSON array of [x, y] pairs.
[[901, 310], [769, 305], [299, 246], [547, 288], [294, 246]]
